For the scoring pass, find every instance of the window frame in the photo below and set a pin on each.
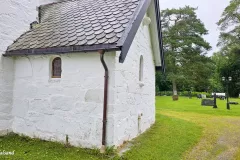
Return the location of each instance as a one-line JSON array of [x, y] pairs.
[[52, 67]]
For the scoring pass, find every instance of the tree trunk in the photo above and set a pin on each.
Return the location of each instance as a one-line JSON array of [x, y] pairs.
[[175, 94], [174, 88]]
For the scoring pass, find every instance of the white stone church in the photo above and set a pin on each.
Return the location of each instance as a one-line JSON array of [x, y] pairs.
[[82, 69]]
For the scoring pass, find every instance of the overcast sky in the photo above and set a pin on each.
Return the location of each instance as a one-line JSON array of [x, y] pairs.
[[209, 11]]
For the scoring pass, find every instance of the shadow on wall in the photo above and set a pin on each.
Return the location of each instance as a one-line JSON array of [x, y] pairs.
[[6, 94]]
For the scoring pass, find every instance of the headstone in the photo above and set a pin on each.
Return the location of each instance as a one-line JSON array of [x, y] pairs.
[[235, 103], [204, 96], [190, 95], [207, 102], [222, 98], [175, 97], [220, 94], [199, 96]]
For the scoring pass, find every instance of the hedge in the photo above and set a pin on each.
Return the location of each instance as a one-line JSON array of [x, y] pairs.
[[183, 93]]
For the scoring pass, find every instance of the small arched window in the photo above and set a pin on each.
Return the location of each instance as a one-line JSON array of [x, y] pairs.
[[141, 69], [56, 67]]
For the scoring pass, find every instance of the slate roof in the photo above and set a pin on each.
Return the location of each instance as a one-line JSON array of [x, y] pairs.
[[78, 22], [82, 26]]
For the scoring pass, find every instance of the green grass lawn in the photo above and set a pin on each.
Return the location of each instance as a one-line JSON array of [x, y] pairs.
[[183, 130], [35, 149], [220, 137], [168, 139], [194, 105]]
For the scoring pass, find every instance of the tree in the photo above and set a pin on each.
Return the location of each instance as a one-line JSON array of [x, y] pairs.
[[232, 69], [162, 83], [229, 41], [219, 60], [229, 25], [184, 45]]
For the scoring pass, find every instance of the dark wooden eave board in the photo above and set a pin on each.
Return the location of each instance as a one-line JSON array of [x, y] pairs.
[[62, 50], [127, 38], [159, 26]]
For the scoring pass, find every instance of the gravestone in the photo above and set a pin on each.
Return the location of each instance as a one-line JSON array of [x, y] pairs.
[[207, 102], [222, 98], [175, 97], [204, 96], [199, 96], [234, 103]]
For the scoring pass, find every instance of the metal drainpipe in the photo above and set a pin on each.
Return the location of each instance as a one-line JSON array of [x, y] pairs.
[[105, 101]]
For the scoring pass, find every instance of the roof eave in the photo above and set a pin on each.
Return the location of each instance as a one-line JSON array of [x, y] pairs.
[[159, 26], [130, 32], [62, 50], [128, 36]]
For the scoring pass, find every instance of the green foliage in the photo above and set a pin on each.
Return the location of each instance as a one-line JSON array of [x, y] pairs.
[[229, 41], [229, 24], [230, 15], [162, 84], [185, 49], [219, 62], [184, 94], [232, 69]]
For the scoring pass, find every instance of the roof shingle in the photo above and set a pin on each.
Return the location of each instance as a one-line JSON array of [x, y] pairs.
[[78, 23]]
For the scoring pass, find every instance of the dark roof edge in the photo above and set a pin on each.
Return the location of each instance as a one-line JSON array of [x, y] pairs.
[[62, 50], [131, 30], [159, 26]]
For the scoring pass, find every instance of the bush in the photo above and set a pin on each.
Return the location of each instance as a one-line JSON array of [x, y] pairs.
[[165, 93], [183, 93]]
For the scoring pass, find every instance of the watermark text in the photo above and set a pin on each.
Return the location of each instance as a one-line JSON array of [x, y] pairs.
[[6, 153]]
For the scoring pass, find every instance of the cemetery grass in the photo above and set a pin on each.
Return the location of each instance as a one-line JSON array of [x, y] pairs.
[[183, 130], [186, 130], [220, 137], [164, 103]]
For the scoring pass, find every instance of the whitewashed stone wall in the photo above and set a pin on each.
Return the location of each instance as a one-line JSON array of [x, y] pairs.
[[134, 110], [15, 17], [33, 104], [73, 105]]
